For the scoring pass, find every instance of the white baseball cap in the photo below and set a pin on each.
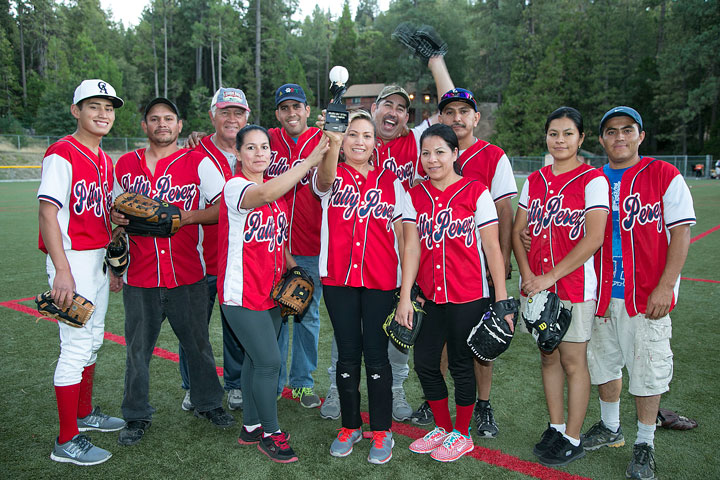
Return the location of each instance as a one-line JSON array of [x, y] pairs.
[[96, 88]]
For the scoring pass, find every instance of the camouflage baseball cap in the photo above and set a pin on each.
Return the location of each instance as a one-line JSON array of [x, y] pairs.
[[393, 90]]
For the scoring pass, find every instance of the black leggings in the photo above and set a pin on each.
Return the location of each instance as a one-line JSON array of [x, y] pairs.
[[451, 323], [357, 315]]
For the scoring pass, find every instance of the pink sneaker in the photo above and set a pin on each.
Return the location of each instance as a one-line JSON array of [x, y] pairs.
[[429, 442], [453, 447]]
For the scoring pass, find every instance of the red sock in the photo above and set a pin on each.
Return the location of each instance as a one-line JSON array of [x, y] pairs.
[[462, 418], [86, 388], [67, 402], [441, 412]]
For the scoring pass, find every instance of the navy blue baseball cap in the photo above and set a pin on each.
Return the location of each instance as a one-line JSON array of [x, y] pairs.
[[458, 95], [290, 91], [621, 112]]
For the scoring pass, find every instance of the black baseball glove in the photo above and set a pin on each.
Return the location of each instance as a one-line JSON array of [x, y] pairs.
[[492, 335], [148, 216], [400, 335], [547, 319], [116, 255], [424, 42], [294, 292]]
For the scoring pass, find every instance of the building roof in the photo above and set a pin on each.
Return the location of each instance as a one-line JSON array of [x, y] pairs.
[[364, 90]]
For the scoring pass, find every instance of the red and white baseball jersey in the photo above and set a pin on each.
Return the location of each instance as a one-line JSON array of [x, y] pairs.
[[304, 207], [251, 248], [556, 206], [488, 163], [400, 155], [186, 179], [452, 264], [218, 158], [79, 183], [358, 244], [653, 199]]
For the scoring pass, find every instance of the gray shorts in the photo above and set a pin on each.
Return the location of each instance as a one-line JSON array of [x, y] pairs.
[[637, 343]]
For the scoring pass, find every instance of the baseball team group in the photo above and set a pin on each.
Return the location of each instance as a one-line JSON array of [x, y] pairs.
[[368, 213]]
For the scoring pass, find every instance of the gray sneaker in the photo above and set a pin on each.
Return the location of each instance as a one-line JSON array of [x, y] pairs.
[[235, 401], [307, 397], [331, 406], [381, 448], [600, 436], [187, 404], [342, 446], [100, 422], [642, 465], [79, 451], [401, 409]]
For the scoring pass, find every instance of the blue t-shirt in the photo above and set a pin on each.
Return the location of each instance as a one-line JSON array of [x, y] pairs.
[[614, 177]]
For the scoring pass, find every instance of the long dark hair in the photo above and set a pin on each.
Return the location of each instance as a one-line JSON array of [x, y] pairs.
[[447, 134], [566, 112]]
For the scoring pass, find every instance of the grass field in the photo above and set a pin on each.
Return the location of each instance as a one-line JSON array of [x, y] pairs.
[[179, 445]]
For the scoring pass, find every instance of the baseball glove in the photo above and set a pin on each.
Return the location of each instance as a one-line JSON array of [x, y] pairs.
[[668, 419], [76, 316], [547, 319], [400, 335], [116, 255], [148, 217], [294, 292], [424, 42], [492, 335]]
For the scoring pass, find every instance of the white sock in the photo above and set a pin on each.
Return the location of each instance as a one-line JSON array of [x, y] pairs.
[[646, 434], [560, 427], [575, 441], [610, 414], [252, 428], [265, 434]]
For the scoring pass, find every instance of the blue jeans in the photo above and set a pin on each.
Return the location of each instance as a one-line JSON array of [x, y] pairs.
[[145, 310], [305, 336], [233, 353]]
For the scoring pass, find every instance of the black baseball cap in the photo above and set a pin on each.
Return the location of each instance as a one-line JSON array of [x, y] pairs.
[[164, 101], [458, 95], [621, 111]]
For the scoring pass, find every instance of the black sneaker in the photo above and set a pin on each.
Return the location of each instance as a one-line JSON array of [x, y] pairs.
[[642, 464], [549, 437], [276, 447], [218, 417], [561, 452], [133, 432], [484, 419], [600, 436], [423, 415], [250, 438]]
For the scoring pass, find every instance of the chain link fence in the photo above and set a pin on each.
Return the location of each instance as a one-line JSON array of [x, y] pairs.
[[21, 155], [691, 166]]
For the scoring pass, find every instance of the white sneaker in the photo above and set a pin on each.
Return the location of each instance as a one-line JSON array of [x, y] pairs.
[[235, 399], [187, 405]]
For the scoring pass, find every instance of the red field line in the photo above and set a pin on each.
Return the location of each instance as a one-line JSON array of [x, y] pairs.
[[700, 280], [704, 234], [492, 457]]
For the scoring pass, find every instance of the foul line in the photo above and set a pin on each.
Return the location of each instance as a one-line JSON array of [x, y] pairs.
[[700, 280], [704, 234], [492, 457]]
